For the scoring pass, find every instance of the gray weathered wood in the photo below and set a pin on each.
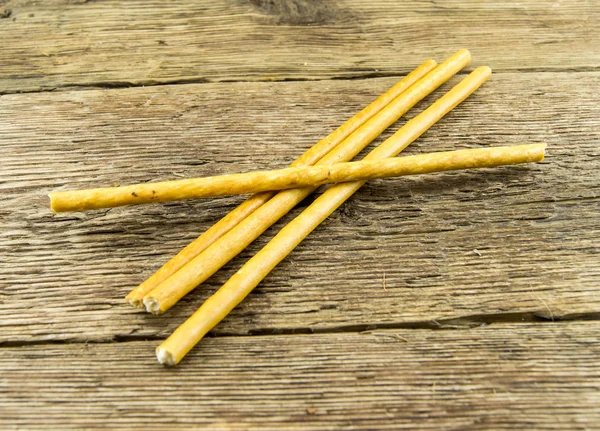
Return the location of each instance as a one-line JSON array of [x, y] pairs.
[[500, 377], [510, 240], [62, 43]]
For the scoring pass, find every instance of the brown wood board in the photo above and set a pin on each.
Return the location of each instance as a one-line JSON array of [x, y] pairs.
[[500, 377], [505, 240], [466, 300], [62, 43]]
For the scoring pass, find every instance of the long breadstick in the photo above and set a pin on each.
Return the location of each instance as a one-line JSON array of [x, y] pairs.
[[215, 308], [308, 176], [256, 201], [110, 197], [167, 293]]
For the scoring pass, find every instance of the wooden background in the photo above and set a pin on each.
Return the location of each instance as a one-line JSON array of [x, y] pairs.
[[463, 300]]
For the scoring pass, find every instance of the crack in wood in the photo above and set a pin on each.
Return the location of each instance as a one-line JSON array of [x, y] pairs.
[[462, 323]]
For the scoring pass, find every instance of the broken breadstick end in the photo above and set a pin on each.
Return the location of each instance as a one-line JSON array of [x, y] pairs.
[[152, 306], [165, 357], [137, 303]]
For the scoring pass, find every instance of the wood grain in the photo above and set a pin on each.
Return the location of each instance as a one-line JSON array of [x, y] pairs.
[[63, 43], [341, 335], [424, 249], [500, 377]]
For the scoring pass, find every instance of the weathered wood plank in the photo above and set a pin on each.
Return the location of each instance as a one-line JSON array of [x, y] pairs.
[[500, 377], [63, 43], [510, 240]]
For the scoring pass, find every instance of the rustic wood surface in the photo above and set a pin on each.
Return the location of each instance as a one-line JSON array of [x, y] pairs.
[[61, 43], [505, 260], [514, 376]]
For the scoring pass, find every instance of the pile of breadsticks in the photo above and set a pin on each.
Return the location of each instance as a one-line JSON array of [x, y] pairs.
[[278, 191]]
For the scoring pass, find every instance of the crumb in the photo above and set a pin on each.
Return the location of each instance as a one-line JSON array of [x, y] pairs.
[[311, 410]]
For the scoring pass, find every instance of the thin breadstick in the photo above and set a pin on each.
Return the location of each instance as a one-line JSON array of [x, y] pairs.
[[252, 203], [167, 293], [215, 308], [306, 176], [110, 197]]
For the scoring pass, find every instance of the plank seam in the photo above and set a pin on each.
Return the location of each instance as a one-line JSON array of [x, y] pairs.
[[110, 85], [461, 323]]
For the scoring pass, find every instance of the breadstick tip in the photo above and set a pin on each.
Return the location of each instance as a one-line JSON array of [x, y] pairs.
[[137, 303], [152, 305], [464, 52], [431, 62], [543, 146], [51, 196], [165, 357], [485, 70]]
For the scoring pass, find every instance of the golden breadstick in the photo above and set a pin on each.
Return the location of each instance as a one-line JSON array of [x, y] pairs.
[[167, 293], [252, 203], [110, 197], [215, 308], [305, 176]]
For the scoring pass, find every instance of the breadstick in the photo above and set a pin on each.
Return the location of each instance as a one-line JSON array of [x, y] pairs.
[[306, 176], [110, 197], [215, 308], [167, 293], [251, 204]]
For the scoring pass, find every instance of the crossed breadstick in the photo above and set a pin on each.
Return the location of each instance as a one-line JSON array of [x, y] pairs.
[[278, 191]]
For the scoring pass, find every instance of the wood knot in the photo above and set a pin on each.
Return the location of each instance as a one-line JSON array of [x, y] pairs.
[[300, 12]]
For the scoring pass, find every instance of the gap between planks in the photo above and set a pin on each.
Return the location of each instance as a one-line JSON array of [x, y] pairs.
[[117, 85], [461, 323]]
